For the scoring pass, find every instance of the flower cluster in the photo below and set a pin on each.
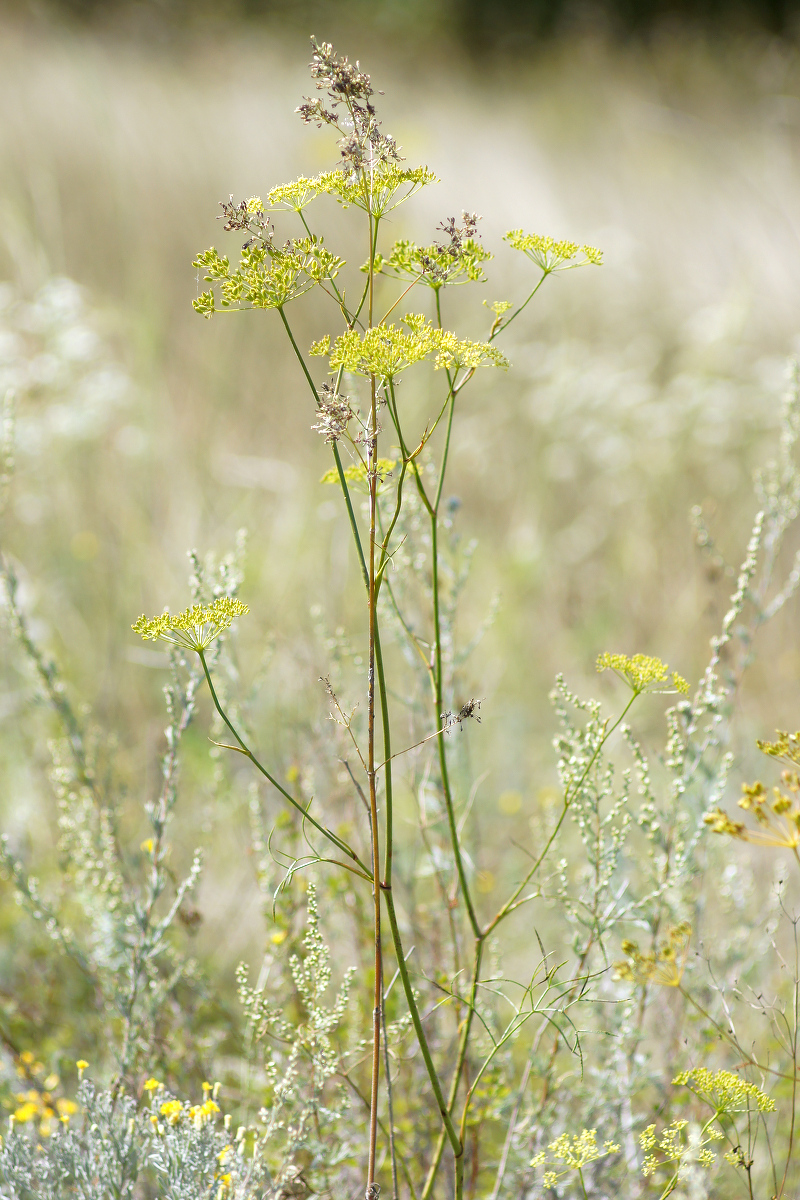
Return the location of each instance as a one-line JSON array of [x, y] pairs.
[[434, 265], [574, 1152], [196, 627], [787, 746], [266, 277], [550, 255], [642, 673], [676, 1148], [173, 1111], [778, 819], [387, 350], [664, 964], [723, 1091], [37, 1104]]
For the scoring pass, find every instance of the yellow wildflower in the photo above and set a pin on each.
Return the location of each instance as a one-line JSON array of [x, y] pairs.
[[196, 627], [550, 255], [172, 1110], [778, 819], [665, 964], [724, 1091], [643, 673]]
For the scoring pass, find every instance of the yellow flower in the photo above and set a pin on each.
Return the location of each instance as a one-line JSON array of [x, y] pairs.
[[196, 627], [778, 820], [550, 255], [724, 1091], [643, 673], [26, 1112], [81, 1064], [665, 964], [172, 1110], [152, 1085], [787, 746]]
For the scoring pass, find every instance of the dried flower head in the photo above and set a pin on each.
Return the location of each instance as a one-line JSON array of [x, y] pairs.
[[349, 93], [196, 627], [642, 673], [333, 414], [467, 712], [664, 964]]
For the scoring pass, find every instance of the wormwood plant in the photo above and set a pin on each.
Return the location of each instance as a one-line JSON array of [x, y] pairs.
[[472, 1083]]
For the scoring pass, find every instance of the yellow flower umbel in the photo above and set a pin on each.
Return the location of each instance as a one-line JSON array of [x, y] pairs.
[[387, 350], [571, 1153], [642, 673], [665, 964], [550, 255], [724, 1092], [196, 627], [777, 813]]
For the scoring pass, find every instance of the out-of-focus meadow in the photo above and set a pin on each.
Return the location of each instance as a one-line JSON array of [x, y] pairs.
[[636, 392]]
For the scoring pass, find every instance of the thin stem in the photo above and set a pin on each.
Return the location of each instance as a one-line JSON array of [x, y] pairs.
[[514, 315], [371, 773], [511, 904], [416, 1020], [439, 702], [389, 1097], [327, 833], [461, 1054]]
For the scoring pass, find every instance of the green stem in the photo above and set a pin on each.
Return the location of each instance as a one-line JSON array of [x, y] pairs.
[[371, 772], [416, 1020], [522, 306], [337, 841], [439, 702], [463, 1044]]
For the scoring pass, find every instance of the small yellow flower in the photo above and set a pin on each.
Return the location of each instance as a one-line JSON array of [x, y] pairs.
[[172, 1110], [26, 1112], [665, 964], [279, 936], [196, 627], [550, 255], [778, 819], [152, 1085]]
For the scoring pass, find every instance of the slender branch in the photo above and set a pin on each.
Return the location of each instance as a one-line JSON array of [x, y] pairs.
[[327, 833]]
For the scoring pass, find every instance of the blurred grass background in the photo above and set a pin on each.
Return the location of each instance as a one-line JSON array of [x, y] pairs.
[[637, 390]]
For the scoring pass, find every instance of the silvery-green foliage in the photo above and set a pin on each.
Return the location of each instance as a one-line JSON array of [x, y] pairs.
[[99, 1154], [296, 1036], [116, 915]]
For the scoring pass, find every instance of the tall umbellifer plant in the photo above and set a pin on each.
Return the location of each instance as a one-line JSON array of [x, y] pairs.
[[394, 324]]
